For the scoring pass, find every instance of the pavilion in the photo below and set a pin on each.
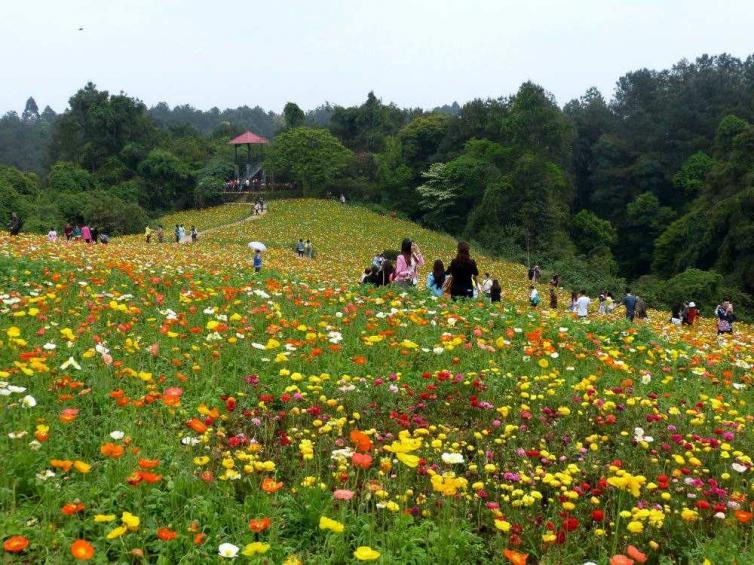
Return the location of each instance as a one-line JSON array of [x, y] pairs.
[[248, 138]]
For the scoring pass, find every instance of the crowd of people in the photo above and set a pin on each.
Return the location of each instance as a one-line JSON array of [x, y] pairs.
[[77, 232]]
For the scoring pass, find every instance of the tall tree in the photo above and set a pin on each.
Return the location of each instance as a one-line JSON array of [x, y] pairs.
[[31, 111], [294, 116]]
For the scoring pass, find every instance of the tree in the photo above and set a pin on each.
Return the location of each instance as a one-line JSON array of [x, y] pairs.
[[421, 138], [439, 197], [294, 116], [31, 111], [590, 232], [693, 173], [314, 158], [67, 177], [646, 219], [167, 176]]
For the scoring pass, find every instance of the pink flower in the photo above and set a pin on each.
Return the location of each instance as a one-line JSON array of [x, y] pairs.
[[343, 494]]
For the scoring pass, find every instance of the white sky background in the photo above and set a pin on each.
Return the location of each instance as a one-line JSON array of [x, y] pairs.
[[228, 53]]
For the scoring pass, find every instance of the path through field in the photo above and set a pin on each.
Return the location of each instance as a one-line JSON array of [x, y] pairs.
[[187, 237]]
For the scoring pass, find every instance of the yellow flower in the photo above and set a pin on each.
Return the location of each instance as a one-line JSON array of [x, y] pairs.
[[13, 331], [366, 553], [82, 467], [503, 526], [131, 521], [201, 460], [253, 548], [326, 523], [689, 515], [408, 459], [543, 363], [104, 517], [635, 527], [116, 532]]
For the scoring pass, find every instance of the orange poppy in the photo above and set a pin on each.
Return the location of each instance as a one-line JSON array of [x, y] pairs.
[[15, 544], [258, 525], [68, 415], [361, 460], [82, 550], [150, 478], [635, 554], [72, 508], [515, 557], [148, 463], [621, 559], [197, 425], [64, 464], [361, 440], [269, 485], [166, 534], [743, 516], [111, 450]]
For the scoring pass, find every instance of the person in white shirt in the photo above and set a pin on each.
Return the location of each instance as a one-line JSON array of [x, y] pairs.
[[533, 296], [52, 235], [582, 305], [486, 285]]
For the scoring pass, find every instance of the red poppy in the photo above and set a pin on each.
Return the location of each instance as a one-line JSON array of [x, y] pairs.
[[361, 460], [361, 440], [166, 534], [82, 550], [258, 525], [15, 544]]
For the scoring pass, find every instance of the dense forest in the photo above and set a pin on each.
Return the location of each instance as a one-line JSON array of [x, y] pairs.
[[654, 186]]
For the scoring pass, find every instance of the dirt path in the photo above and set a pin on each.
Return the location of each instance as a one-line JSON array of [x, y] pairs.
[[252, 217]]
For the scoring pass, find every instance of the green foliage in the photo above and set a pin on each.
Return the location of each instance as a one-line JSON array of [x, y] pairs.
[[694, 172], [703, 287], [365, 128], [67, 177], [293, 115], [590, 232], [730, 126], [312, 157]]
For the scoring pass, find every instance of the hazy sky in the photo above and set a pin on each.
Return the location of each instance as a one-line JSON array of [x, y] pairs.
[[424, 53]]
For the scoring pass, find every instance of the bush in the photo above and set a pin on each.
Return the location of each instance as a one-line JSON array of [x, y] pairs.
[[703, 287]]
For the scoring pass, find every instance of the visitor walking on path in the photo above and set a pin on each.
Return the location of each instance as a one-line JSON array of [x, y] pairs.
[[257, 261], [300, 248], [408, 263], [463, 272], [194, 234], [725, 317], [629, 301], [52, 235], [436, 279], [533, 296]]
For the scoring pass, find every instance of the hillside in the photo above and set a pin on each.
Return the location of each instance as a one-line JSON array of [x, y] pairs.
[[163, 403]]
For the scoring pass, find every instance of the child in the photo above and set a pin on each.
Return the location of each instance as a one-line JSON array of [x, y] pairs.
[[194, 234], [533, 296], [495, 291], [257, 261]]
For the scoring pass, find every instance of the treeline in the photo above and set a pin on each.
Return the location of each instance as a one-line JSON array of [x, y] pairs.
[[653, 186]]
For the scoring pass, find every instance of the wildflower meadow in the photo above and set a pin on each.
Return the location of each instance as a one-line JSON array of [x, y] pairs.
[[162, 403]]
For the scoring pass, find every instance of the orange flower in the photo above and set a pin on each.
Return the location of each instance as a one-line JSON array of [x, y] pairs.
[[199, 538], [258, 525], [269, 485], [72, 508], [166, 534], [15, 544], [621, 559], [361, 460], [68, 415], [111, 450], [148, 463], [150, 478], [197, 425], [64, 464], [82, 550], [636, 555], [361, 440], [743, 516], [515, 557]]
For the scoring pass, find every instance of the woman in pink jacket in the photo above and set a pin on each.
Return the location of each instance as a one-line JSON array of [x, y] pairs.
[[408, 263], [86, 234]]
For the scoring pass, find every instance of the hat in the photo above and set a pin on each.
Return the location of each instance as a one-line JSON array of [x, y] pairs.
[[692, 305]]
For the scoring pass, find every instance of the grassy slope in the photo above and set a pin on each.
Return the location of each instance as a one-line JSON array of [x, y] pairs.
[[518, 361]]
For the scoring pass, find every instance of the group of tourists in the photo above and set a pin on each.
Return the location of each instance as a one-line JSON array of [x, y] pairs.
[[304, 249], [179, 233], [79, 232]]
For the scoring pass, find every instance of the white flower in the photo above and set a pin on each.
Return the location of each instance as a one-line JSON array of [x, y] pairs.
[[646, 379], [17, 435], [117, 434], [452, 458], [639, 435], [738, 467], [739, 386], [71, 363], [344, 453], [437, 350], [28, 401], [44, 475], [16, 389], [49, 346], [34, 445], [258, 346], [188, 440], [720, 515], [261, 293], [227, 550], [209, 311], [101, 349]]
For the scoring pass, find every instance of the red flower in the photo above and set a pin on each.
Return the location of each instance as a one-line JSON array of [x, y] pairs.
[[166, 534], [258, 525], [15, 544], [361, 460]]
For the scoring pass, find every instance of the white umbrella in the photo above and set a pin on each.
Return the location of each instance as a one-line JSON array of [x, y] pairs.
[[257, 246]]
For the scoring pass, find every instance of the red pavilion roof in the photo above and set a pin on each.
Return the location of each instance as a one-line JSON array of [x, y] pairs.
[[248, 137]]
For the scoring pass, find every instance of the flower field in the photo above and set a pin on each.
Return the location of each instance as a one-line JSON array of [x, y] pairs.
[[163, 404]]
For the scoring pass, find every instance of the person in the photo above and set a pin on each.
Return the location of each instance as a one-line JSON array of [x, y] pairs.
[[641, 308], [486, 286], [366, 276], [86, 234], [181, 233], [104, 239], [308, 249], [177, 233], [408, 263], [535, 274], [300, 248], [496, 292], [14, 227], [385, 275], [555, 280], [68, 231], [610, 303], [533, 296], [194, 234], [574, 299], [436, 279], [52, 235], [257, 261], [378, 260], [725, 317], [530, 274], [160, 234], [676, 312], [76, 232], [463, 272], [342, 198], [148, 234], [95, 235], [553, 299], [629, 301], [602, 309], [691, 313], [582, 305]]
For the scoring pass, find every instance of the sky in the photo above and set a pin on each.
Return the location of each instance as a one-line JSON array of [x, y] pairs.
[[416, 53]]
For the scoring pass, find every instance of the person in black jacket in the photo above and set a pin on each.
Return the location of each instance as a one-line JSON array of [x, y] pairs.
[[464, 271], [15, 224]]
